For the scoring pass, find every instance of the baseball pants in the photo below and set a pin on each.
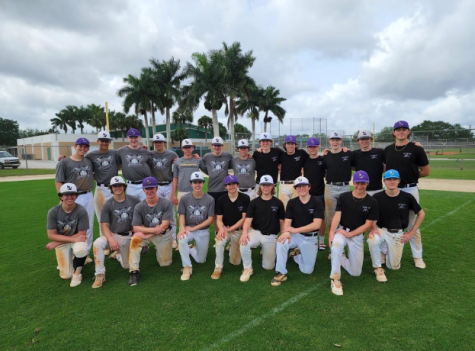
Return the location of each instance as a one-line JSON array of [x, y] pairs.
[[354, 262], [286, 192], [251, 192], [70, 256], [416, 240], [101, 243], [101, 195], [201, 238], [234, 252], [268, 244], [332, 193], [163, 246], [308, 246], [87, 201], [165, 191], [394, 248], [135, 190]]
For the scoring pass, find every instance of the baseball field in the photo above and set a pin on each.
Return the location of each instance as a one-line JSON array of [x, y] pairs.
[[429, 309]]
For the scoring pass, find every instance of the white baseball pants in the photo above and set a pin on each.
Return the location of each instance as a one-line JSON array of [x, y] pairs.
[[102, 243], [201, 238], [101, 195], [268, 244], [394, 248], [64, 256], [308, 246], [234, 252], [87, 201], [163, 247], [354, 262], [286, 192], [416, 240], [136, 190]]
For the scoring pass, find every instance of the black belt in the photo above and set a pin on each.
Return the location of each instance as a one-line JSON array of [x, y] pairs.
[[101, 184], [246, 189], [392, 231], [136, 182], [410, 185], [345, 228], [310, 233], [338, 183], [286, 182], [164, 183], [83, 192], [124, 233]]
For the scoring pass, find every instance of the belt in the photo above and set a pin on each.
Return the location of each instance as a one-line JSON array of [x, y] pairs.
[[246, 189], [410, 185], [392, 231], [344, 227], [338, 183], [84, 192], [135, 182], [125, 233], [310, 233], [102, 184], [286, 182], [164, 183]]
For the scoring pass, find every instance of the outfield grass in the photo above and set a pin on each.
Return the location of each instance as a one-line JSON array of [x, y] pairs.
[[21, 172], [416, 310], [452, 169]]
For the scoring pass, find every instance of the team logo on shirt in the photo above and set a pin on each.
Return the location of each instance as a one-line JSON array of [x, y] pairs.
[[244, 169], [104, 162], [66, 226], [345, 158], [320, 163], [297, 158], [155, 218], [311, 210], [274, 158], [123, 214], [82, 171], [197, 211], [135, 160], [274, 208], [160, 162], [218, 166], [407, 154], [374, 157], [240, 208], [366, 208], [402, 206]]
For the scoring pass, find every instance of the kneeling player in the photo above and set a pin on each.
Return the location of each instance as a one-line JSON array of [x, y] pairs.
[[394, 212], [303, 218], [67, 225]]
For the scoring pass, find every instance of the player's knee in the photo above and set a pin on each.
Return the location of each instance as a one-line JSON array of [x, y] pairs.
[[306, 269], [135, 242]]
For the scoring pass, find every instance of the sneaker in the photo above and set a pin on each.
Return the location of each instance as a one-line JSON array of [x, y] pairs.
[[100, 278], [419, 262], [106, 252], [145, 249], [380, 276], [278, 279], [294, 252], [383, 258], [187, 271], [174, 244], [337, 287], [88, 260], [76, 280], [113, 255], [217, 273], [322, 247], [228, 247], [134, 278], [246, 274]]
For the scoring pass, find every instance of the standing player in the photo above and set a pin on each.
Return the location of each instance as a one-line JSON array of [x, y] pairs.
[[338, 166], [231, 212], [411, 162], [292, 161], [394, 208], [244, 168], [356, 213], [265, 215], [116, 224], [66, 227], [303, 218], [196, 211], [151, 223], [267, 159], [78, 170], [183, 168]]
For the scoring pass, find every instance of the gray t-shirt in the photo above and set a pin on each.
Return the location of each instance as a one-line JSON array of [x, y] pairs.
[[182, 169], [135, 163], [67, 224], [245, 171], [76, 172], [196, 211], [216, 167], [150, 217], [104, 165], [119, 214], [163, 165]]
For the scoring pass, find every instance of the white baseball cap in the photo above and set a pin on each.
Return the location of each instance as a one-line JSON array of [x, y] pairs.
[[68, 188], [266, 179], [301, 181], [334, 135], [362, 134], [196, 176], [158, 138], [265, 136], [243, 143], [186, 142], [117, 180], [217, 141], [104, 135]]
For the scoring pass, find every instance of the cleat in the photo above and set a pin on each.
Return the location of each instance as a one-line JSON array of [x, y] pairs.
[[246, 275], [76, 280], [322, 247], [380, 276], [278, 279], [174, 244], [106, 252], [113, 255], [217, 273], [228, 247], [134, 278], [88, 260], [419, 262], [145, 250], [100, 278], [294, 252], [337, 287], [187, 271]]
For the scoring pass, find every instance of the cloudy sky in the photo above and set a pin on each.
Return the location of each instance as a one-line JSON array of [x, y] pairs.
[[353, 63]]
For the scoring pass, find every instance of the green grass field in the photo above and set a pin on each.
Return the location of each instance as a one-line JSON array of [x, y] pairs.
[[416, 310]]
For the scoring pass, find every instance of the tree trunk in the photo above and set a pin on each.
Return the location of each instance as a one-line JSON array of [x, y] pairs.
[[123, 136], [231, 125], [168, 127], [154, 125], [206, 134], [215, 122], [253, 121], [265, 123], [146, 128]]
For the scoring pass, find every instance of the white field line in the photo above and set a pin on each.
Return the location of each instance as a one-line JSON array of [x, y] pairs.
[[449, 213]]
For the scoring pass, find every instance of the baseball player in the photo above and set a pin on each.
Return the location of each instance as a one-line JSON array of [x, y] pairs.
[[338, 175], [196, 212], [244, 168], [411, 162], [151, 223], [292, 161], [265, 215], [116, 223], [267, 158], [183, 168], [394, 208], [162, 160], [231, 212], [303, 218], [67, 224], [356, 213], [78, 170]]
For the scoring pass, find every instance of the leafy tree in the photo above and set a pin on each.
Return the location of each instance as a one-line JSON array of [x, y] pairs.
[[249, 102], [271, 102], [181, 117], [179, 134], [385, 135], [83, 116], [242, 131], [97, 116], [70, 113], [9, 132], [29, 132], [152, 92], [205, 122], [441, 130], [118, 121], [223, 132]]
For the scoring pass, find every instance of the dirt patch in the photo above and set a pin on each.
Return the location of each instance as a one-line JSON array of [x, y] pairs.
[[467, 186]]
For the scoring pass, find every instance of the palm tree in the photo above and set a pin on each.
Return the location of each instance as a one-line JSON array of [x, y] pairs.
[[118, 121], [182, 117], [70, 114], [152, 90], [249, 102], [179, 134], [97, 116], [271, 102], [205, 122], [83, 116], [223, 132], [61, 121]]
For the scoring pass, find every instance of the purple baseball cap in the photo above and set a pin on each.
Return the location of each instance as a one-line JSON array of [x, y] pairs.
[[401, 124], [149, 182], [291, 139], [231, 179], [132, 132], [82, 141], [313, 142], [360, 177]]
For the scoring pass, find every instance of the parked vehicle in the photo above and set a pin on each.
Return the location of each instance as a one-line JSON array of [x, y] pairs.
[[7, 160]]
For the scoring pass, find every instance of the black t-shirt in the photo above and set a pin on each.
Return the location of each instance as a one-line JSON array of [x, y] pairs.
[[303, 214], [406, 161], [292, 164], [372, 163], [266, 214], [394, 211], [267, 164], [314, 171], [232, 211], [338, 166], [354, 213]]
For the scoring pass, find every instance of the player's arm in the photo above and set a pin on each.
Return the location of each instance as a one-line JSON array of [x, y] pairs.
[[238, 224], [174, 186], [361, 229], [58, 239], [113, 244], [334, 225], [424, 171], [315, 225], [206, 223], [58, 186], [181, 223], [419, 219], [285, 232], [245, 231], [221, 233]]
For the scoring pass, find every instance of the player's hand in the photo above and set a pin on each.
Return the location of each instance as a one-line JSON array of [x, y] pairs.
[[77, 238], [346, 234], [139, 235], [345, 149], [222, 233], [249, 155], [325, 152], [290, 229], [52, 245], [195, 156], [244, 239], [418, 144], [406, 237], [259, 149], [61, 157], [285, 237], [174, 160], [114, 245], [372, 233], [189, 229], [181, 235], [174, 200]]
